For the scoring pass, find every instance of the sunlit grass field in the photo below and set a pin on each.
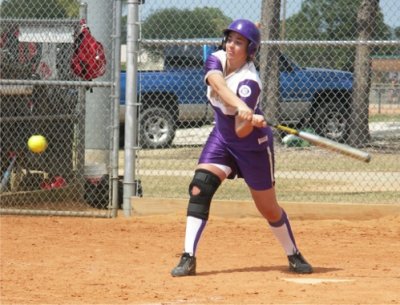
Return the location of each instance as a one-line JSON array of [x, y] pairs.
[[308, 174]]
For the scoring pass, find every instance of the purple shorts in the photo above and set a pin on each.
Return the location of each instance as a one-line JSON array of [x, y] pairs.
[[255, 166]]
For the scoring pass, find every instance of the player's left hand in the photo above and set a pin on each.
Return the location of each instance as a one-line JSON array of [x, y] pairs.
[[258, 121], [244, 112]]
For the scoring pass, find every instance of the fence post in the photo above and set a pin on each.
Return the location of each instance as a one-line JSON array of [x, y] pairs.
[[115, 115], [97, 147], [131, 125]]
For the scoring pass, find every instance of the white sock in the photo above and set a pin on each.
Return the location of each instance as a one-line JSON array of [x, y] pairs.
[[194, 228], [284, 234]]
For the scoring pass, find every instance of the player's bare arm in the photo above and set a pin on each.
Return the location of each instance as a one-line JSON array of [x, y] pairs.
[[218, 84], [245, 119], [243, 127]]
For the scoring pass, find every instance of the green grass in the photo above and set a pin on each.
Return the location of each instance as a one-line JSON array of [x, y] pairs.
[[172, 170], [288, 160], [312, 159], [379, 117], [288, 190]]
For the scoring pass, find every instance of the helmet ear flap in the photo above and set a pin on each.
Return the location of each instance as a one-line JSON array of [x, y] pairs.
[[251, 49], [223, 42]]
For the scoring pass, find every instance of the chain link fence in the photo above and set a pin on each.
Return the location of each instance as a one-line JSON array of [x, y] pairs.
[[57, 83], [318, 49]]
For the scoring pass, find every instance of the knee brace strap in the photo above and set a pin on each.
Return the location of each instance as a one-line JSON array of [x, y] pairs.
[[208, 183]]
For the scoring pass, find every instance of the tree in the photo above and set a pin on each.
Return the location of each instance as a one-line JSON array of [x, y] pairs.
[[269, 58], [397, 32], [332, 21], [71, 7], [174, 23], [359, 132], [37, 9]]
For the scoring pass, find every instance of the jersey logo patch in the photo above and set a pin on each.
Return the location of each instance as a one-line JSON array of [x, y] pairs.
[[244, 91], [262, 140]]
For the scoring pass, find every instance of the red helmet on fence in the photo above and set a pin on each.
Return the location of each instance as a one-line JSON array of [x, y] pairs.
[[89, 60]]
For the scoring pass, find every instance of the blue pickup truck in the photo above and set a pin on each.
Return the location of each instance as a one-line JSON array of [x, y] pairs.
[[317, 98], [170, 98]]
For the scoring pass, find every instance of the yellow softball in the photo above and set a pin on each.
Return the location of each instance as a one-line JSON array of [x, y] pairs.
[[37, 143]]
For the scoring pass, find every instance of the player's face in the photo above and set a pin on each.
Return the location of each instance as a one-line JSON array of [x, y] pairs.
[[236, 47]]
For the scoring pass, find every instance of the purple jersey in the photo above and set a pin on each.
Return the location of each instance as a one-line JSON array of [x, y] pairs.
[[250, 157], [246, 83]]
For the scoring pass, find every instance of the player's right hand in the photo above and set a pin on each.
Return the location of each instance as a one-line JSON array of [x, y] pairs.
[[244, 112], [258, 121]]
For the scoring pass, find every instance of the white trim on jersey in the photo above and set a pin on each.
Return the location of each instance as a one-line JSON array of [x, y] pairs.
[[246, 72]]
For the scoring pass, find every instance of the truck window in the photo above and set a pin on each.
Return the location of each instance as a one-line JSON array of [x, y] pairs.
[[183, 56], [183, 62]]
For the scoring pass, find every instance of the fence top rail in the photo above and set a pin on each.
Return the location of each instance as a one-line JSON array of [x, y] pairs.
[[332, 42], [272, 42], [55, 83], [47, 22]]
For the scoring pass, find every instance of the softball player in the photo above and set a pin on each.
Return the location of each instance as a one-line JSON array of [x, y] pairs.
[[240, 145]]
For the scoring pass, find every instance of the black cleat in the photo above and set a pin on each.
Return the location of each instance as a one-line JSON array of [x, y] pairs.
[[186, 266], [298, 264]]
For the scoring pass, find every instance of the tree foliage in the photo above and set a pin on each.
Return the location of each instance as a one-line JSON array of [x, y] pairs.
[[37, 9], [332, 21], [173, 23], [397, 33], [71, 7]]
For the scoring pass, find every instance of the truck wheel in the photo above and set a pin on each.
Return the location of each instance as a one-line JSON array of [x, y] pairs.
[[332, 121], [157, 128]]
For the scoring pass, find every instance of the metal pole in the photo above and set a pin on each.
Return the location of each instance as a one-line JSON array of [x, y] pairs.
[[115, 118], [80, 126], [131, 124], [98, 102], [283, 32], [83, 10]]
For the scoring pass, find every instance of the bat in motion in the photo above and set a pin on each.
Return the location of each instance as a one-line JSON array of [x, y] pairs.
[[323, 142], [7, 174], [326, 143]]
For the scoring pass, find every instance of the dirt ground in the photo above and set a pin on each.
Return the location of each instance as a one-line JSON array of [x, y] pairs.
[[63, 260]]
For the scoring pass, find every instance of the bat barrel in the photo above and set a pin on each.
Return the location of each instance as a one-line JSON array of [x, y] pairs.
[[335, 146]]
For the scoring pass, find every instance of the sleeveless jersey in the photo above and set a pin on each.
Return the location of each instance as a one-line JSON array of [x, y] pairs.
[[245, 82]]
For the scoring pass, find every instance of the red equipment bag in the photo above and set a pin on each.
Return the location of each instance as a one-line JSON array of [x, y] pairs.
[[89, 60]]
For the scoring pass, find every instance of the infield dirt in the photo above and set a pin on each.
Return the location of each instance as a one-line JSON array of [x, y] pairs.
[[355, 251]]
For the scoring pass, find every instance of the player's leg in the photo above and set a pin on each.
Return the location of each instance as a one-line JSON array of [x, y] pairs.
[[269, 208], [206, 180], [214, 166], [260, 179], [279, 223]]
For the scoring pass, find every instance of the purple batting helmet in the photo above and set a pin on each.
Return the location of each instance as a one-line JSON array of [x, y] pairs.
[[247, 29]]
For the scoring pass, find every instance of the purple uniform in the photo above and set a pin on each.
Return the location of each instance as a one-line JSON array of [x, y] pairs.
[[251, 157]]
